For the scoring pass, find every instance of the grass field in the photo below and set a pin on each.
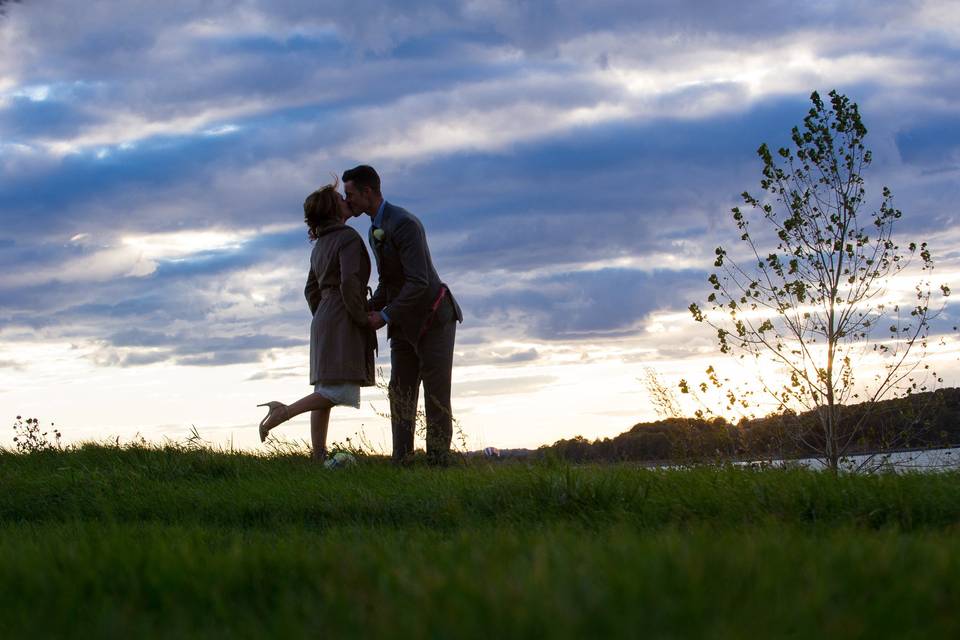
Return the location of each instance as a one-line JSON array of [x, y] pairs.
[[147, 542]]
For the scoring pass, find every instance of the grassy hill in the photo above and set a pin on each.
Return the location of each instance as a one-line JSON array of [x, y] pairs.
[[181, 542]]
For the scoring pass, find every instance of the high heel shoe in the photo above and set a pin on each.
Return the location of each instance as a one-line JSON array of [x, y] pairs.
[[273, 412]]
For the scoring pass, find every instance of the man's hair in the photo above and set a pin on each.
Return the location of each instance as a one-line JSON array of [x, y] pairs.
[[363, 176]]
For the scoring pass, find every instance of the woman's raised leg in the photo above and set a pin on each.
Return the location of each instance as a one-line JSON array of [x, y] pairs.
[[280, 413]]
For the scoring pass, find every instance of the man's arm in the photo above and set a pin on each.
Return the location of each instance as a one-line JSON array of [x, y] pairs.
[[378, 300], [411, 244]]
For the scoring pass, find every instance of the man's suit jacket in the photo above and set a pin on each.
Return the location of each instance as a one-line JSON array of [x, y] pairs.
[[408, 282]]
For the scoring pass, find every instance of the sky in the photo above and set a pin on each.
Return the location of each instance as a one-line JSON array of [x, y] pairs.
[[573, 163]]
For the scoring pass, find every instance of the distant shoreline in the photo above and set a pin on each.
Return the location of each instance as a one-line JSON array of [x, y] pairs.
[[523, 453]]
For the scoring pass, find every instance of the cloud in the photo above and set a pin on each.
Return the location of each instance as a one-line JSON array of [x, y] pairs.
[[573, 163], [427, 90], [606, 302], [574, 173], [497, 357], [501, 386], [527, 355], [929, 145], [11, 364], [138, 347], [274, 375]]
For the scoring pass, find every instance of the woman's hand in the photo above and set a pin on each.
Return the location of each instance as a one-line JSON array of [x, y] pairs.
[[375, 320]]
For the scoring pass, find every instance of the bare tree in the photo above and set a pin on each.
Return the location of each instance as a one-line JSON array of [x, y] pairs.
[[816, 304]]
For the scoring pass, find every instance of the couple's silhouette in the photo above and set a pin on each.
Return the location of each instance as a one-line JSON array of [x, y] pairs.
[[419, 311]]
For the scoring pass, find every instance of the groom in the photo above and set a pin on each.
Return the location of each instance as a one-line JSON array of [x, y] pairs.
[[420, 312]]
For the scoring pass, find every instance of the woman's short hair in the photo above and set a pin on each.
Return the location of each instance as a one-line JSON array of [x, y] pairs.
[[321, 209]]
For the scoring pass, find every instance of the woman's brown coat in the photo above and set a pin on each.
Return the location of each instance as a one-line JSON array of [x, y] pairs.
[[341, 341]]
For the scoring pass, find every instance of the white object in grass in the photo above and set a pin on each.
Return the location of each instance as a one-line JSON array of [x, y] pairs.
[[340, 460]]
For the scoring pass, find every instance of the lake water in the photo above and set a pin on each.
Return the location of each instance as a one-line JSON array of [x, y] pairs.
[[947, 459]]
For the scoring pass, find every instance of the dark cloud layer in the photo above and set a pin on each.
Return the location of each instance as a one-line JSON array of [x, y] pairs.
[[603, 303]]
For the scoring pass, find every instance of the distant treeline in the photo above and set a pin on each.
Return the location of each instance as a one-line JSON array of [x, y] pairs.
[[916, 421]]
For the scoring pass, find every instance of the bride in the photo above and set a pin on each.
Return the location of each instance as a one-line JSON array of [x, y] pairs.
[[341, 340]]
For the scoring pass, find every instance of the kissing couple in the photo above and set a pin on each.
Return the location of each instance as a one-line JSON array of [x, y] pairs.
[[419, 311]]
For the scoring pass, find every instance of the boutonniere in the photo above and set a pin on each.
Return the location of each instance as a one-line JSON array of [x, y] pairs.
[[379, 235]]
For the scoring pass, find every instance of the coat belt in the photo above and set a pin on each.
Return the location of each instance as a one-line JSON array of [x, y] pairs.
[[326, 292]]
